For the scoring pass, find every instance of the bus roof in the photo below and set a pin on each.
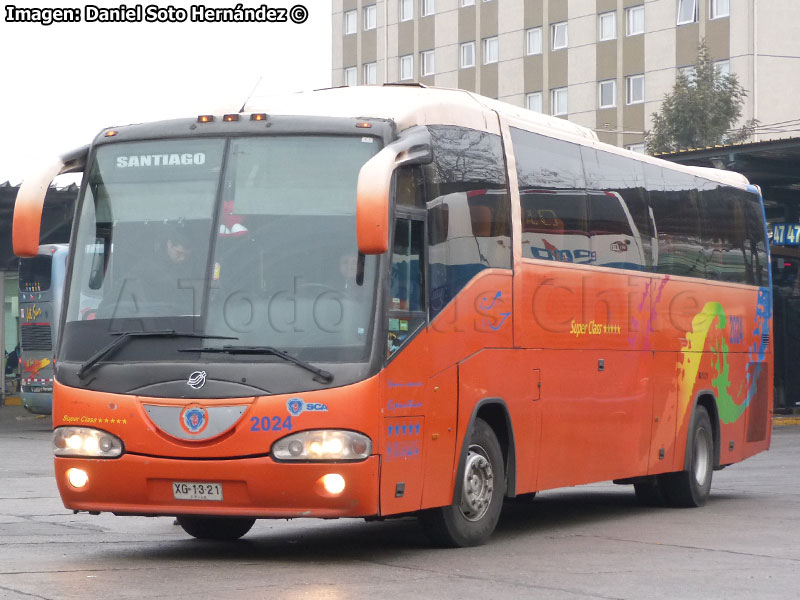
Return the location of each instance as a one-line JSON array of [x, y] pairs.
[[409, 105]]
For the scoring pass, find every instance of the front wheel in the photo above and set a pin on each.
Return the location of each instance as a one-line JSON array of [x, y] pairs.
[[691, 487], [472, 519], [215, 528]]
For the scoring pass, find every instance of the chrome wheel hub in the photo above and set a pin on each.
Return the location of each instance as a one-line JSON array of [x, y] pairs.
[[702, 463], [478, 485]]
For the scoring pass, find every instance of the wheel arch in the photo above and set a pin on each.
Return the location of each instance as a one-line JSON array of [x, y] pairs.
[[495, 412]]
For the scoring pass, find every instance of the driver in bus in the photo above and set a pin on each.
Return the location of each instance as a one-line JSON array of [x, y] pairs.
[[163, 285]]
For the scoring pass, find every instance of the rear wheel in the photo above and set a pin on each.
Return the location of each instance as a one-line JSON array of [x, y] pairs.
[[215, 528], [472, 519], [691, 487]]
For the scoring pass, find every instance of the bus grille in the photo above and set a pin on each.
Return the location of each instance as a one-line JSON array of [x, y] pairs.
[[36, 337]]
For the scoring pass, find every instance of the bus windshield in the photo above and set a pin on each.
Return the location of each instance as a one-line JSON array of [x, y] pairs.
[[248, 238], [34, 274]]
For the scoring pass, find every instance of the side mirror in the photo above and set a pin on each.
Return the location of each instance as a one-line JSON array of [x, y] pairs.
[[30, 200], [413, 147]]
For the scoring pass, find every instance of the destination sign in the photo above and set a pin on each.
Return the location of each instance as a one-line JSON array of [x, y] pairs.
[[786, 234]]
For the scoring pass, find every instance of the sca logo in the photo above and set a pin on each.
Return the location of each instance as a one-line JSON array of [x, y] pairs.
[[194, 419], [298, 405]]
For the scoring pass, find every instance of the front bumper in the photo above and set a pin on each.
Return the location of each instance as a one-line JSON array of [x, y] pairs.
[[254, 487]]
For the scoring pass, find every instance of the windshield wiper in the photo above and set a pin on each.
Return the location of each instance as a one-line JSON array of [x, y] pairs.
[[124, 336], [322, 375]]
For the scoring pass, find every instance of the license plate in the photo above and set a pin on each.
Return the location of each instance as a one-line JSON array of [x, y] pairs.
[[192, 490]]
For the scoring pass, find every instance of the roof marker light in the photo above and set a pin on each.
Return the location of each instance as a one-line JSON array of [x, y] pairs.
[[111, 133], [230, 118], [363, 125], [205, 118], [258, 117]]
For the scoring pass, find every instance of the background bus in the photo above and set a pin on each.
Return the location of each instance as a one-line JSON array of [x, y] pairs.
[[41, 290]]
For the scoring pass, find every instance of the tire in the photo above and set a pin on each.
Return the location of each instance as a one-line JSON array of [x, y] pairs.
[[472, 519], [215, 528], [650, 492], [691, 488]]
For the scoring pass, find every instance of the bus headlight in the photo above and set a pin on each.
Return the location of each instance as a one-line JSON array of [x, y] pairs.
[[323, 444], [85, 441]]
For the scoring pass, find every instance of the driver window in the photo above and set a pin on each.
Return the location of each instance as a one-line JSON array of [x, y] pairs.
[[407, 292]]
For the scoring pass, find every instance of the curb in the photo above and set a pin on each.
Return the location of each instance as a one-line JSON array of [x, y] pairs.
[[785, 421], [12, 401]]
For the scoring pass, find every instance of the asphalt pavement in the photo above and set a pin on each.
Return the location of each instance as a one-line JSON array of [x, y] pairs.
[[583, 542]]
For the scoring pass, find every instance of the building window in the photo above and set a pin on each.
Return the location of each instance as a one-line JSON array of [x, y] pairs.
[[720, 8], [467, 2], [723, 67], [406, 67], [635, 89], [350, 76], [370, 17], [559, 101], [634, 20], [490, 50], [533, 101], [428, 7], [687, 11], [533, 41], [467, 55], [607, 93], [608, 26], [426, 63], [635, 148], [406, 10], [690, 73], [371, 73], [559, 34], [350, 20]]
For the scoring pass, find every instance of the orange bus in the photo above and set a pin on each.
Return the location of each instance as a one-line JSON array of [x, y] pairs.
[[395, 300]]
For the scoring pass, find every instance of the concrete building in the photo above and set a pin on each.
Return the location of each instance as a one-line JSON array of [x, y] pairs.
[[604, 64]]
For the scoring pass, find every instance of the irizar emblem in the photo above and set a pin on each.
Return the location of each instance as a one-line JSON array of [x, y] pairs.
[[197, 380]]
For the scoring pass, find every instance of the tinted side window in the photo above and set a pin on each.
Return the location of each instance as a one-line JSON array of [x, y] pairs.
[[469, 216], [723, 231], [619, 220], [553, 198], [673, 200], [755, 245]]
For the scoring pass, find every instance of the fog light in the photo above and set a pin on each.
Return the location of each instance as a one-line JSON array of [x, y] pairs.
[[78, 478], [333, 483], [295, 448]]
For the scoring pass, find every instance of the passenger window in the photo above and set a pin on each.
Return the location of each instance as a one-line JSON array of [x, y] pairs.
[[673, 200], [619, 220], [554, 226], [552, 198], [723, 233], [407, 291], [755, 246], [469, 216]]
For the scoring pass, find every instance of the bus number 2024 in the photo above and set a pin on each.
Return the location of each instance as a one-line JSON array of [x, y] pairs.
[[270, 424]]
